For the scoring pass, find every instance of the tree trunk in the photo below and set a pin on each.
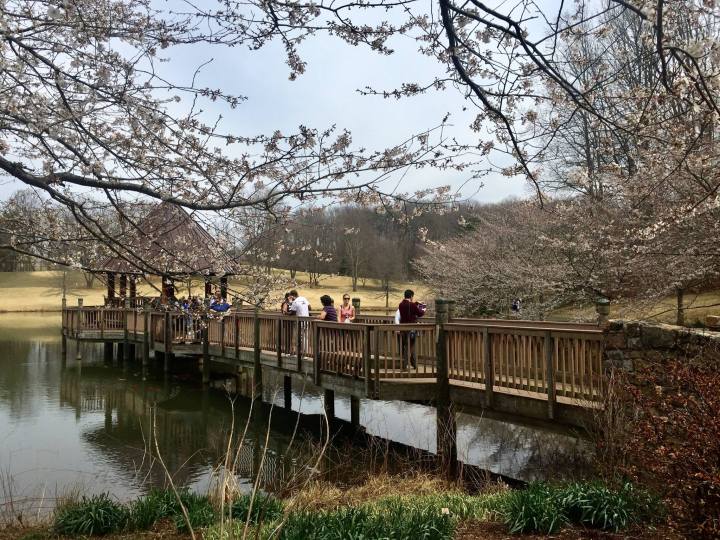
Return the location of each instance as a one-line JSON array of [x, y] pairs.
[[89, 279], [680, 307], [354, 282]]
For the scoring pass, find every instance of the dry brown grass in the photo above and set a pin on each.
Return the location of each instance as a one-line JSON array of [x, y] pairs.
[[326, 496], [42, 290]]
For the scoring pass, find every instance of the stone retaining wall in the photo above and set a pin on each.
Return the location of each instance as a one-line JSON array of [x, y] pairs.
[[629, 344]]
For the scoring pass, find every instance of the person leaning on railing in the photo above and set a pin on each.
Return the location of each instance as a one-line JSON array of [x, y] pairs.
[[328, 313]]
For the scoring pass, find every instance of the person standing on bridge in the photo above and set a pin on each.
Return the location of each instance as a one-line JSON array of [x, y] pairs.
[[300, 307], [347, 310], [410, 312]]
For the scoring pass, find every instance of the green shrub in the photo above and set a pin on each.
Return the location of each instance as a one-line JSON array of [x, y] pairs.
[[96, 515], [534, 509], [265, 508], [392, 519], [596, 505], [163, 503], [200, 510], [544, 508]]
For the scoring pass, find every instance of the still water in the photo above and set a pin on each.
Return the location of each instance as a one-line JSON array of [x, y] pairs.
[[87, 426]]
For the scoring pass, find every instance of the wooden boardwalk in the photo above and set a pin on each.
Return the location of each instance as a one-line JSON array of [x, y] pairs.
[[526, 368]]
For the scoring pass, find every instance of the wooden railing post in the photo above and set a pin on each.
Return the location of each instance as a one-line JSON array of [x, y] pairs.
[[81, 318], [298, 339], [366, 353], [316, 353], [126, 341], [101, 322], [205, 336], [237, 336], [488, 368], [257, 368], [167, 339], [222, 336], [446, 425], [550, 374], [146, 336], [279, 341]]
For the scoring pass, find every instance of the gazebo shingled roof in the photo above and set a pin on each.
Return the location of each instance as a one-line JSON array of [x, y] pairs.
[[171, 242]]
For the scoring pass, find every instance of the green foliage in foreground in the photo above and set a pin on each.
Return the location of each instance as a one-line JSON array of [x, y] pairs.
[[163, 503], [430, 517], [545, 509], [96, 515], [540, 508], [265, 509]]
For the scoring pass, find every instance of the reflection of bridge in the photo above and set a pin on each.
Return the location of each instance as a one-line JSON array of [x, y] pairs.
[[527, 368], [192, 436]]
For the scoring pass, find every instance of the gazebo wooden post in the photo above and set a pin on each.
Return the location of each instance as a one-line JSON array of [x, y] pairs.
[[133, 286], [123, 285], [110, 287], [208, 285], [167, 289], [223, 287]]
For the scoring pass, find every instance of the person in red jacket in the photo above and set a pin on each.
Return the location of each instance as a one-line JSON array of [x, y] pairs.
[[410, 312]]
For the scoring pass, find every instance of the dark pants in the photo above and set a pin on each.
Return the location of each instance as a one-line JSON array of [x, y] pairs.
[[408, 347]]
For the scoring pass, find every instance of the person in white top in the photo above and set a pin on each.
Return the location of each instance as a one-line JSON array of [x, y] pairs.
[[298, 305]]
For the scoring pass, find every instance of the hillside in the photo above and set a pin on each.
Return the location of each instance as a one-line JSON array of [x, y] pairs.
[[42, 290]]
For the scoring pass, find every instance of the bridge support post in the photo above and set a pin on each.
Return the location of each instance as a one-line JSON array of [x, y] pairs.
[[354, 411], [63, 351], [206, 353], [446, 429], [257, 367], [287, 392], [329, 404]]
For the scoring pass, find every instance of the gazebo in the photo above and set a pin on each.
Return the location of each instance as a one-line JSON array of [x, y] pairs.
[[171, 243]]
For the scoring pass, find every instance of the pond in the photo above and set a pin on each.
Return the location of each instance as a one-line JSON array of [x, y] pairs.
[[91, 426]]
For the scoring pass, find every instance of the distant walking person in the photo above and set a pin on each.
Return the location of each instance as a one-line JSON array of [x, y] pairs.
[[347, 310], [328, 313], [410, 312]]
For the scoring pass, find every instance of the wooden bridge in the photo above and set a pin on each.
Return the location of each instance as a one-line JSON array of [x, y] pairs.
[[534, 369]]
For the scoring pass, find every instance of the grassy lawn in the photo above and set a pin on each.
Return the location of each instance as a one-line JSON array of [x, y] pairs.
[[42, 291], [697, 306]]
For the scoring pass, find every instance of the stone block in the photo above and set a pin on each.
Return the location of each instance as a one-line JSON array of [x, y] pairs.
[[615, 340], [615, 325], [614, 359], [712, 321], [656, 337], [632, 329], [634, 343]]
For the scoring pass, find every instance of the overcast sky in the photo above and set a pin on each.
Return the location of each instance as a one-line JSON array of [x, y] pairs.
[[326, 95]]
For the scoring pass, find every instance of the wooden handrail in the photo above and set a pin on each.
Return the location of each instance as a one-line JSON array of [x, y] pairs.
[[546, 360]]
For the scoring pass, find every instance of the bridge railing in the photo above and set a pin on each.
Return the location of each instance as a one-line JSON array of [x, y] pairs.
[[533, 358], [525, 359]]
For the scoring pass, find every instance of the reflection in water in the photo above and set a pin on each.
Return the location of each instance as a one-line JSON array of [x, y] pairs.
[[88, 425]]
